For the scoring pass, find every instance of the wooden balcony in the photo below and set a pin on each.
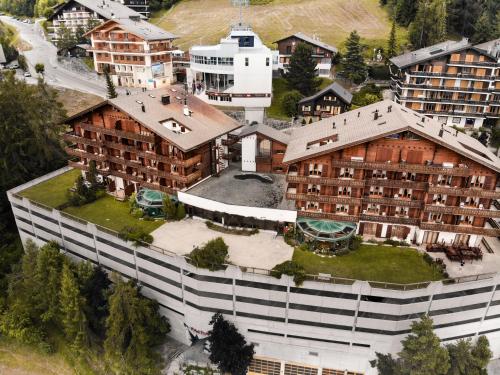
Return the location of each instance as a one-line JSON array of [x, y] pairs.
[[118, 133], [389, 219], [189, 179], [492, 232], [325, 181], [465, 192], [329, 216], [324, 198], [83, 167], [454, 210], [78, 139], [417, 185], [83, 154], [156, 186], [387, 201], [403, 167], [127, 176]]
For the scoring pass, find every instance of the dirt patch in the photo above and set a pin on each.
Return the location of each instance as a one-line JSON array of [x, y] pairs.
[[76, 101]]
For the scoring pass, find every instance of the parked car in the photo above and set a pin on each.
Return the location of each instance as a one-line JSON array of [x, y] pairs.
[[27, 74], [14, 66]]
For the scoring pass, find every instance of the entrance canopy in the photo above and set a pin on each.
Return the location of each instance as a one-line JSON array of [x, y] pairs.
[[326, 230]]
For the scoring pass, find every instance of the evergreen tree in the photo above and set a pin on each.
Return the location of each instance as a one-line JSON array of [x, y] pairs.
[[133, 327], [228, 348], [422, 353], [386, 364], [429, 26], [391, 43], [290, 103], [65, 38], [169, 208], [485, 28], [301, 75], [404, 11], [181, 212], [110, 85], [92, 174], [354, 63], [462, 16], [481, 354], [72, 310]]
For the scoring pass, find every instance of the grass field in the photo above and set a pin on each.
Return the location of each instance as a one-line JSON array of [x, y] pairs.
[[206, 21], [372, 262], [105, 211]]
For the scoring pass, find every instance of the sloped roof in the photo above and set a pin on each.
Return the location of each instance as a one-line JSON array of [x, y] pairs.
[[445, 48], [140, 28], [3, 60], [360, 126], [107, 9], [308, 39], [337, 89], [205, 122], [266, 131]]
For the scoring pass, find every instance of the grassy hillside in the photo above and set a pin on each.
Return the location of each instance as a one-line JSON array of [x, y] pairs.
[[206, 21]]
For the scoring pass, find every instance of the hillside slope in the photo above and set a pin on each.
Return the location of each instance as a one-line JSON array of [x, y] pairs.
[[206, 21]]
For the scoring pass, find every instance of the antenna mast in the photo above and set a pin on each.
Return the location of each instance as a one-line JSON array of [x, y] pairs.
[[241, 4]]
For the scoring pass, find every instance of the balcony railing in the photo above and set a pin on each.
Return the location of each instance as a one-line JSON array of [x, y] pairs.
[[453, 210], [325, 181], [118, 133], [83, 167], [70, 137], [387, 201], [465, 192], [452, 75], [156, 186], [327, 215], [492, 232], [444, 100], [389, 219], [442, 88], [324, 198], [404, 167], [468, 63], [417, 185], [84, 154], [451, 112]]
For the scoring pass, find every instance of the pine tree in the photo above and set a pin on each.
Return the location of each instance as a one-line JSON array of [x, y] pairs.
[[301, 75], [92, 174], [429, 26], [169, 208], [110, 85], [73, 318], [422, 353], [228, 348], [485, 28], [391, 43], [481, 354], [354, 63]]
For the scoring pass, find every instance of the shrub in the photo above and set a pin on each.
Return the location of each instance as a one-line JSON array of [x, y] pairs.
[[135, 234], [132, 202], [428, 259], [290, 268], [82, 194], [169, 208], [379, 72], [355, 242], [213, 255], [137, 213], [392, 242], [290, 102], [241, 232], [181, 212], [342, 252]]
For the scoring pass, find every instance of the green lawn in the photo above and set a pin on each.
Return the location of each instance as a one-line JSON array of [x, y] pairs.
[[105, 211], [280, 88], [373, 263], [112, 214], [53, 192]]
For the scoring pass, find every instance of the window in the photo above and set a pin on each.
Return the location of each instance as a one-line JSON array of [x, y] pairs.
[[346, 172], [379, 174], [315, 169], [439, 198], [443, 119], [267, 61], [225, 99], [313, 189], [444, 180], [403, 211], [344, 208], [376, 190], [247, 61], [345, 191]]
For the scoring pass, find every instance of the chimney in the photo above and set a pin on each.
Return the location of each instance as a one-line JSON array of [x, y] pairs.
[[441, 133], [333, 126], [345, 121], [389, 109], [165, 99], [375, 114], [186, 111], [359, 113], [143, 107], [456, 133], [422, 119]]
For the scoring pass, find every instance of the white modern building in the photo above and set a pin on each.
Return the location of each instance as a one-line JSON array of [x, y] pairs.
[[237, 72]]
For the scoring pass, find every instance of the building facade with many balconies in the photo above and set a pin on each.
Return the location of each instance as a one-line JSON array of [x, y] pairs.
[[237, 72], [455, 82], [394, 172], [137, 53], [151, 140], [83, 15]]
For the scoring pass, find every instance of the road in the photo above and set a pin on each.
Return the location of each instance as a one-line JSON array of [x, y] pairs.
[[46, 53]]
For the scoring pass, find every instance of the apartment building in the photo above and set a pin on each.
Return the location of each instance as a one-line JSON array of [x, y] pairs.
[[332, 100], [323, 53], [237, 72], [164, 140], [140, 6], [137, 53], [454, 81], [84, 15]]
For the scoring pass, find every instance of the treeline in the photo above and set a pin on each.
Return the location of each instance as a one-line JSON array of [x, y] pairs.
[[431, 21], [7, 36], [53, 302], [155, 5], [29, 8]]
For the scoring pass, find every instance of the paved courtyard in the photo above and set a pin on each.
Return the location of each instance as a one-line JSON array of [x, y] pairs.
[[261, 250]]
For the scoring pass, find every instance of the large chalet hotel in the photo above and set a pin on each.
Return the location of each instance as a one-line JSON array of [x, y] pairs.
[[456, 82], [389, 170]]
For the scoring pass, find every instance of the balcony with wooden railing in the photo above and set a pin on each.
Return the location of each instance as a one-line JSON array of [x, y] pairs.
[[325, 181], [84, 167], [323, 198], [118, 133], [328, 215], [388, 201], [71, 137], [416, 185], [84, 154], [465, 192], [493, 232], [389, 219], [403, 167], [466, 211]]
